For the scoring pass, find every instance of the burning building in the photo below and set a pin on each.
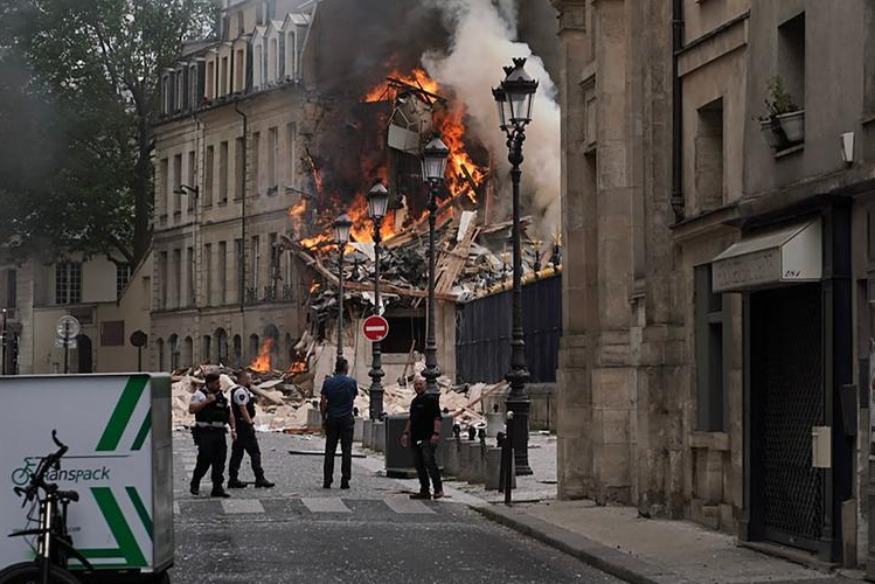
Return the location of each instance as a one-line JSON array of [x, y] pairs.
[[284, 120]]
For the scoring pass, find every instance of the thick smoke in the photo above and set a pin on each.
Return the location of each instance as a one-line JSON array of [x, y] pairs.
[[482, 42]]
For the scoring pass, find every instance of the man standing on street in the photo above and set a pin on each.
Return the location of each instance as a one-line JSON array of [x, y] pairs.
[[338, 395], [243, 404], [423, 433], [211, 413]]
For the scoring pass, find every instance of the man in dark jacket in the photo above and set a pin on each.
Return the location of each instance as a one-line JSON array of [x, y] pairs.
[[422, 434], [211, 412], [338, 395]]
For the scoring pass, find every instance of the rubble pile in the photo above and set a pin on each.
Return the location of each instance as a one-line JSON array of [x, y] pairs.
[[466, 265], [283, 406]]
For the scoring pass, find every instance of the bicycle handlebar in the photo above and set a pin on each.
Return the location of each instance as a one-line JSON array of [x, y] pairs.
[[37, 478]]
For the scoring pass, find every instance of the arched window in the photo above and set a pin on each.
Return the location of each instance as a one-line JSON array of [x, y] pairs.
[[173, 341], [188, 352], [253, 346], [222, 346], [273, 333], [238, 351], [207, 349], [159, 349]]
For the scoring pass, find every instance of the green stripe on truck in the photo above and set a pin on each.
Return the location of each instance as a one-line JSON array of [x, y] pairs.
[[121, 416]]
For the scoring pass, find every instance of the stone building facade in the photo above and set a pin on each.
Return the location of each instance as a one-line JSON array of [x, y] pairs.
[[720, 369]]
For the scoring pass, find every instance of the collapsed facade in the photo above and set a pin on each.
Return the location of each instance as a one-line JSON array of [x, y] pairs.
[[266, 136], [719, 367]]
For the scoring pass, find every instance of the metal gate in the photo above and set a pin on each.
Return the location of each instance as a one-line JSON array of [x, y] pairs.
[[787, 399]]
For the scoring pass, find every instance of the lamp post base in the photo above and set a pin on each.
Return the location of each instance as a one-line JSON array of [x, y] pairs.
[[520, 408]]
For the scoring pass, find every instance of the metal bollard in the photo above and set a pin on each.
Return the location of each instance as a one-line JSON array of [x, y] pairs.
[[507, 472]]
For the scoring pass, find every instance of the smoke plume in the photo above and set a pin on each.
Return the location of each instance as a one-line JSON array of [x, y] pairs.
[[482, 42]]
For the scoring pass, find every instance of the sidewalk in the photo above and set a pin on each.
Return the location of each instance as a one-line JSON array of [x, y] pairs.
[[618, 541]]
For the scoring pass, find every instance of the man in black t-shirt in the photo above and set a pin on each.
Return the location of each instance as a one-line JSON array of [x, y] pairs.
[[422, 434], [336, 404]]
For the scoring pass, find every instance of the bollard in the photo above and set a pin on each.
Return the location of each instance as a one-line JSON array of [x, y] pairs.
[[475, 463], [358, 430], [367, 434], [464, 462], [379, 429], [494, 424], [507, 462], [450, 447], [493, 468]]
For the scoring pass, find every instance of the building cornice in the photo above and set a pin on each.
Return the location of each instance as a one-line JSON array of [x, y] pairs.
[[572, 14]]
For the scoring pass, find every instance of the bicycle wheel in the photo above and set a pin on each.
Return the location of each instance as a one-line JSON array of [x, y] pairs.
[[28, 573]]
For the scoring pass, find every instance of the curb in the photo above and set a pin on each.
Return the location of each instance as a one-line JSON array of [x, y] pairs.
[[602, 557]]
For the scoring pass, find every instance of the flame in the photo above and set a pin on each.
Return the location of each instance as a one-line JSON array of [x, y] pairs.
[[261, 364], [314, 286], [297, 210], [297, 367]]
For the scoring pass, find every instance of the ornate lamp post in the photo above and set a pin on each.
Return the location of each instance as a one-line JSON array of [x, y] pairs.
[[434, 164], [378, 202], [514, 98], [341, 226]]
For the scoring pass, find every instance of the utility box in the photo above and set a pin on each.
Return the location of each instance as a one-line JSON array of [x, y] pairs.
[[399, 460], [120, 461]]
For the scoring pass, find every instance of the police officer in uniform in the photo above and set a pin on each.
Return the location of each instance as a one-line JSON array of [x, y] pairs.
[[211, 412], [243, 405]]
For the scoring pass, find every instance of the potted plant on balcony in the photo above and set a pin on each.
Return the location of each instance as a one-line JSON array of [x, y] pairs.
[[784, 125]]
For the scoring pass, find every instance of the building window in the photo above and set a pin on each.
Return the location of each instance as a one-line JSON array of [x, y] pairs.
[[292, 154], [177, 276], [10, 288], [254, 345], [239, 71], [112, 333], [239, 168], [162, 284], [272, 60], [189, 276], [68, 283], [211, 80], [159, 348], [272, 146], [190, 179], [791, 57], [162, 187], [209, 168], [206, 348], [173, 343], [174, 205], [710, 183], [188, 352], [222, 346], [256, 174], [273, 249], [711, 329], [223, 273], [239, 271], [208, 269], [224, 77], [223, 173], [122, 277], [238, 351], [256, 262]]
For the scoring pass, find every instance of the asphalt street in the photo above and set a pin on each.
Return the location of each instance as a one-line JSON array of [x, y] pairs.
[[373, 532]]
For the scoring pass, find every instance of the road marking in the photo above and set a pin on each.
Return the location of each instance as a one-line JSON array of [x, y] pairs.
[[404, 505], [239, 506], [325, 505]]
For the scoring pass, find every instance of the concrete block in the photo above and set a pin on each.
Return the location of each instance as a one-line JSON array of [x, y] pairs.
[[464, 461], [379, 429], [450, 448], [314, 418], [476, 463], [367, 434], [358, 431], [493, 468]]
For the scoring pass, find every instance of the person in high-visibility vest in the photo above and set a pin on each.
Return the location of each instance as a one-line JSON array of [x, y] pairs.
[[211, 412], [243, 405]]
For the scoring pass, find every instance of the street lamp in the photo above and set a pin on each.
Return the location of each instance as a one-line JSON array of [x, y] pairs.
[[514, 98], [378, 201], [434, 164], [341, 226]]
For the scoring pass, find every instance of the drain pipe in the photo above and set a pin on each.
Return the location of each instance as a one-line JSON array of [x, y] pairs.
[[241, 289], [677, 111]]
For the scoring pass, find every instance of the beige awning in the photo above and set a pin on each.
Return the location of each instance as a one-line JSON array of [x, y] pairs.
[[781, 256]]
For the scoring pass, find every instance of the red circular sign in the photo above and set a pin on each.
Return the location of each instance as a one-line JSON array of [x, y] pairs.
[[376, 328]]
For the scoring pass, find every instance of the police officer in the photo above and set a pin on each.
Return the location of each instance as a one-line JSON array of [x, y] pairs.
[[243, 406], [211, 412]]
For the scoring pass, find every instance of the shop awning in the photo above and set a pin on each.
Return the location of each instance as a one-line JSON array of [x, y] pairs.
[[787, 255]]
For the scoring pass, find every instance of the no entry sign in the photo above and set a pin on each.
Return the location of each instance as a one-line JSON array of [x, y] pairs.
[[376, 328]]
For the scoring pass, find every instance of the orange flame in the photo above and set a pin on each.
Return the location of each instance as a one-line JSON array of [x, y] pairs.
[[297, 367], [261, 364], [297, 210]]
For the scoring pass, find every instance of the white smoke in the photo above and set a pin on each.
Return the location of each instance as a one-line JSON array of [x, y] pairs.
[[482, 43]]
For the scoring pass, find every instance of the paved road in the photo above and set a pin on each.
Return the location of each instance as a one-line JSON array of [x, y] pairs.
[[370, 533]]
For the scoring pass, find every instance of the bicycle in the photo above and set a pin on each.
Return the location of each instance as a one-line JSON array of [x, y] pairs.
[[54, 544]]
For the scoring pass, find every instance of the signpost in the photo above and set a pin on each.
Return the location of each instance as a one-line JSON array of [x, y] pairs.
[[68, 329], [375, 328], [139, 340]]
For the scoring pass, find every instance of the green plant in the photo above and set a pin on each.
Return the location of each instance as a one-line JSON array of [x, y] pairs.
[[779, 100]]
